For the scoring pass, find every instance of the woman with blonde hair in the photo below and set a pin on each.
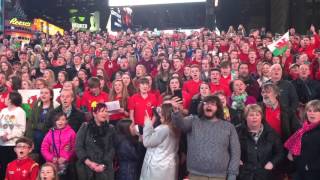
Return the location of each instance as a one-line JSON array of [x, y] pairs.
[[304, 145], [48, 75]]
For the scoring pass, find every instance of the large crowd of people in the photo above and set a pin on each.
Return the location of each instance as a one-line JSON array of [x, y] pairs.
[[139, 105]]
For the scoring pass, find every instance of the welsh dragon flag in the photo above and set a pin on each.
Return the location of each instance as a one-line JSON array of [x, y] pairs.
[[280, 46]]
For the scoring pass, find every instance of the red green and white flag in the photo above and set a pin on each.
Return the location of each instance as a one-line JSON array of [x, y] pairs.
[[280, 46]]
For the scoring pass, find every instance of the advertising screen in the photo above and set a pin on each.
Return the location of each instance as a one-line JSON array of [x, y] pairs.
[[121, 18], [116, 3]]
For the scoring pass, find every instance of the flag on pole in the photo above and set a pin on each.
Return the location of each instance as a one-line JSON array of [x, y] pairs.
[[280, 46]]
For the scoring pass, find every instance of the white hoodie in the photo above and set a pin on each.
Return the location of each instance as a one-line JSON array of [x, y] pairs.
[[12, 123]]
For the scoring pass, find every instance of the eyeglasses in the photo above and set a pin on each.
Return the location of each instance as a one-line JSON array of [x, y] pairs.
[[22, 147]]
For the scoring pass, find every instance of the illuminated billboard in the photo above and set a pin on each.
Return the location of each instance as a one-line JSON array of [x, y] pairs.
[[43, 26], [117, 3]]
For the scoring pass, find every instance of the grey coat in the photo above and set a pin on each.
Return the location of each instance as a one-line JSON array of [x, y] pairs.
[[161, 159], [86, 147]]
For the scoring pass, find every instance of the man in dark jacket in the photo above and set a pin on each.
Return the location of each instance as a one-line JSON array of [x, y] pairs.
[[288, 95], [307, 89], [74, 116]]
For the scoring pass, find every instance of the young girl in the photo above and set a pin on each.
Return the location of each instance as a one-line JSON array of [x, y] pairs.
[[58, 145], [48, 171]]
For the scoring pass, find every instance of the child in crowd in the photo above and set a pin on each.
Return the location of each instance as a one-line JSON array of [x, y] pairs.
[[23, 168], [58, 145], [48, 171]]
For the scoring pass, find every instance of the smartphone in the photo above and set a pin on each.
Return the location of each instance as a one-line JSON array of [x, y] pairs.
[[178, 93]]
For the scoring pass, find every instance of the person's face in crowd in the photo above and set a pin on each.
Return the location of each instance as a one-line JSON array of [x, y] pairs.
[[302, 59], [102, 83], [3, 58], [195, 73], [75, 82], [45, 95], [63, 50], [215, 77], [118, 87], [205, 65], [77, 60], [100, 72], [216, 61], [39, 84], [25, 85], [85, 47], [124, 64], [225, 56], [82, 76], [140, 71], [66, 98], [194, 45], [47, 173], [187, 71], [61, 122], [144, 88], [23, 57], [177, 64], [268, 55], [22, 150], [252, 57], [60, 61], [245, 48], [147, 53], [254, 119], [198, 54], [306, 41], [165, 65], [67, 86], [95, 90], [47, 75], [210, 108], [304, 71], [150, 81], [61, 78], [204, 90], [234, 55], [4, 67], [276, 60], [276, 72], [225, 71], [104, 55], [266, 70], [235, 64], [239, 87], [126, 79], [174, 84], [244, 70], [223, 100], [42, 64], [268, 95], [313, 115], [25, 77], [114, 55]]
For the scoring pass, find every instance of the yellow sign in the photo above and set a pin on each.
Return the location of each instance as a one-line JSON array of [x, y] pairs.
[[16, 22]]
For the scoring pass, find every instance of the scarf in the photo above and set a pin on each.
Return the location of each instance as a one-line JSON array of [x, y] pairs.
[[238, 102], [293, 144]]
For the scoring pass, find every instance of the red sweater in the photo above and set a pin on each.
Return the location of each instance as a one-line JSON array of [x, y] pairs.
[[273, 119], [191, 87], [25, 169]]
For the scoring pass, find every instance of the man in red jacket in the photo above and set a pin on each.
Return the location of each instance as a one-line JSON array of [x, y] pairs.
[[23, 168]]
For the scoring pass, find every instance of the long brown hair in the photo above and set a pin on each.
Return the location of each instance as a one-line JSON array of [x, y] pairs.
[[166, 111], [124, 94]]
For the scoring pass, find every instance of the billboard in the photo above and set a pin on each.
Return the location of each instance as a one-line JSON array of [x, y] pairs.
[[117, 3], [43, 26], [121, 18], [84, 21]]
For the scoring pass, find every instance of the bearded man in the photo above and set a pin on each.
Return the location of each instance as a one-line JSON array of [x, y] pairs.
[[213, 144]]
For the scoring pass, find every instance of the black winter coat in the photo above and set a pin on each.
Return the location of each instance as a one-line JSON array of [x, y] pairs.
[[308, 163], [130, 158], [256, 155]]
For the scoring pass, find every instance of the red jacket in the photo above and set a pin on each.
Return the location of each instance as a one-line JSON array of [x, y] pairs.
[[25, 169]]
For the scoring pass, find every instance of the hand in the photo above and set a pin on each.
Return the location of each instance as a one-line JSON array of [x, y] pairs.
[[61, 160], [92, 165], [100, 168], [290, 157], [268, 166], [312, 28], [241, 163], [177, 104]]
